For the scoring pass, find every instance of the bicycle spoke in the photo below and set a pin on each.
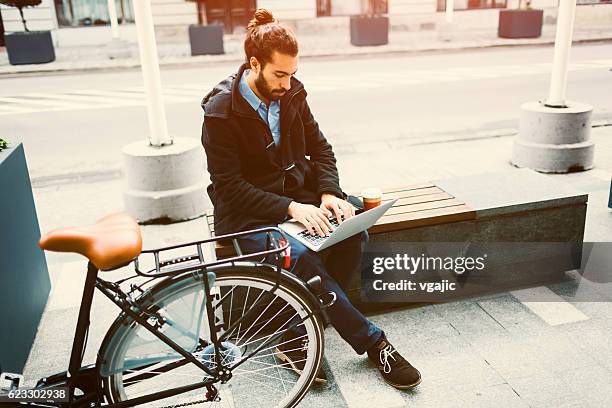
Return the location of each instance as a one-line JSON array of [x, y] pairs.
[[240, 375], [285, 366], [276, 334], [246, 299], [252, 304], [270, 335], [229, 320], [268, 322], [259, 376]]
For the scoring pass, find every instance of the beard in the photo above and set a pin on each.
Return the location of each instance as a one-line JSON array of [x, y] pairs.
[[264, 88]]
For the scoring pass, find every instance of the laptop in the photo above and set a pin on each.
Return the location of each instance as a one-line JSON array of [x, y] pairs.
[[354, 225]]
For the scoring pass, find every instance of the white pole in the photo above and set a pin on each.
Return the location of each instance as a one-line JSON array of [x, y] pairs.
[[112, 15], [450, 9], [150, 73], [563, 45]]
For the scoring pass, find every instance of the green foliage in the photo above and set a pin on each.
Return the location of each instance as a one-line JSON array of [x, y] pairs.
[[21, 3], [3, 144]]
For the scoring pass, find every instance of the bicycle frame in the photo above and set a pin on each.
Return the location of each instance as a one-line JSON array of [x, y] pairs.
[[88, 379]]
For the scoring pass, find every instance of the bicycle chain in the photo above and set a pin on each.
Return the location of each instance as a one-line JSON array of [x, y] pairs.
[[186, 404]]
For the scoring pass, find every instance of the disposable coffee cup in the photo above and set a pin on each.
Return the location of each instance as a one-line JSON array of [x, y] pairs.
[[372, 197]]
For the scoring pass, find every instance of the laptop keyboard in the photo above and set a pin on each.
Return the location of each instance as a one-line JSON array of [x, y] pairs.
[[316, 239]]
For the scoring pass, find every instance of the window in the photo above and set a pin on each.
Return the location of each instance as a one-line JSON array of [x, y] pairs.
[[73, 13], [473, 4]]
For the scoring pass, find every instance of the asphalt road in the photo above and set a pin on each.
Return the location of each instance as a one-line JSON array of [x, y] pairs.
[[79, 122]]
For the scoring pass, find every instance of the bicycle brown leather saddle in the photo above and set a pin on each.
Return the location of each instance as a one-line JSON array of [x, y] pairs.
[[111, 242]]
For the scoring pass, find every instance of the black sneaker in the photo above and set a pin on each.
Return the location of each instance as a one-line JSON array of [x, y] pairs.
[[394, 368], [292, 350]]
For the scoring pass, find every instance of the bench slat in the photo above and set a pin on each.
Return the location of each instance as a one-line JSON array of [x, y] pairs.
[[415, 186], [429, 198], [411, 193], [418, 207], [430, 217], [224, 251]]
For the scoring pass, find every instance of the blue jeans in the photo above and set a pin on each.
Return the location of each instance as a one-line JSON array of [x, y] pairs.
[[334, 265]]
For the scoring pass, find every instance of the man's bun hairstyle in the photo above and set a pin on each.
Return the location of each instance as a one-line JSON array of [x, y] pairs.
[[265, 35], [261, 17]]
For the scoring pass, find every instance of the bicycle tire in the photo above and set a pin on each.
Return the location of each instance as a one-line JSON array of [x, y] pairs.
[[124, 332]]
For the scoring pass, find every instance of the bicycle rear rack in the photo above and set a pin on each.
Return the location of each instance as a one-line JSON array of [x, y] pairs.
[[197, 261]]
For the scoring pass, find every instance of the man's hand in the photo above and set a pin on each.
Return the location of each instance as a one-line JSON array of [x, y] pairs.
[[338, 206], [313, 218]]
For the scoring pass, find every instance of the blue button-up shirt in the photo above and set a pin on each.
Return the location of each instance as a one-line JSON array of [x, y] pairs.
[[270, 115]]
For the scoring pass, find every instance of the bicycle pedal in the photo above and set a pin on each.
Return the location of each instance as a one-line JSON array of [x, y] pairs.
[[10, 381]]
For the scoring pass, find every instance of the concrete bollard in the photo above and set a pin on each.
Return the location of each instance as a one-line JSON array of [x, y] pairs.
[[554, 140], [165, 184]]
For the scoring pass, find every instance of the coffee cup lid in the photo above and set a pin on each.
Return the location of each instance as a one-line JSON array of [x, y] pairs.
[[372, 192]]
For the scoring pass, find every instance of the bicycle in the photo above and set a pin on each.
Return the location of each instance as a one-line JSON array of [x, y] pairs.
[[195, 331]]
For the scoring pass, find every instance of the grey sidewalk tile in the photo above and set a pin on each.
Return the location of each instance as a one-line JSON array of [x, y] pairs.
[[449, 359], [592, 338], [358, 380], [77, 204], [51, 348], [511, 357], [324, 395], [583, 286], [430, 394], [593, 384], [543, 391], [439, 351], [416, 326], [558, 353], [469, 319], [498, 396], [450, 395], [512, 314]]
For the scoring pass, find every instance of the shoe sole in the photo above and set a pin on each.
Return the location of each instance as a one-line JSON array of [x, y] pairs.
[[404, 387], [286, 359]]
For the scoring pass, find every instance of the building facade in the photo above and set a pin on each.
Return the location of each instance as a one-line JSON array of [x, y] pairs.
[[85, 22]]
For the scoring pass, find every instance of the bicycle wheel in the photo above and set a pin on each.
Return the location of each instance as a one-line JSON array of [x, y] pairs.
[[136, 363]]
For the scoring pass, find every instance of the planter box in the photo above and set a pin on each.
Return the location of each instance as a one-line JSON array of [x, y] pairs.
[[206, 39], [24, 279], [29, 47], [520, 23], [369, 30]]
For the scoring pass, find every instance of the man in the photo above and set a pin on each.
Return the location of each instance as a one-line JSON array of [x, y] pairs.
[[268, 161]]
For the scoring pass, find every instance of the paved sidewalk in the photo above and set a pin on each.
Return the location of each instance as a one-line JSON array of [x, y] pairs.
[[480, 352], [329, 44]]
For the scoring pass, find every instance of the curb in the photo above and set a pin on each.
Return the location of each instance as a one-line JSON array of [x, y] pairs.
[[190, 61]]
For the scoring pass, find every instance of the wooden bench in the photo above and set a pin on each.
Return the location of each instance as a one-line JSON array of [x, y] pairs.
[[418, 205], [518, 205]]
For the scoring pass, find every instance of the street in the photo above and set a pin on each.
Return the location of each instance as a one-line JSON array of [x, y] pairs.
[[360, 104]]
